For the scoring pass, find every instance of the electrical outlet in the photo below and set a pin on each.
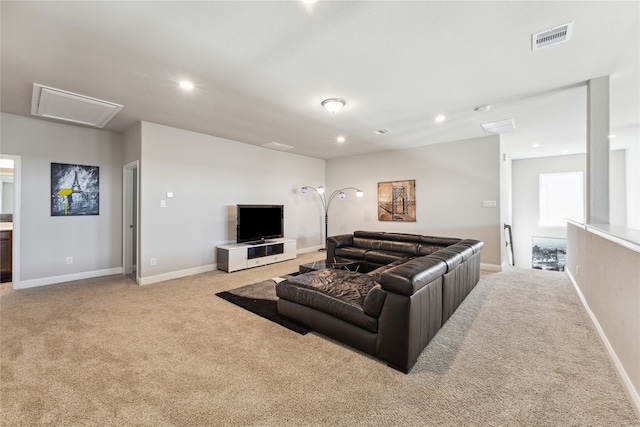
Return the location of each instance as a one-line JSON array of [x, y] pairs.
[[69, 260], [153, 261]]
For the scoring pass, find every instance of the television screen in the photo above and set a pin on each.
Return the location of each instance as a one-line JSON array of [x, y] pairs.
[[254, 223]]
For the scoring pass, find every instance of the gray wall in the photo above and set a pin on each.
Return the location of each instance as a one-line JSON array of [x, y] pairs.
[[452, 180], [606, 276], [526, 197], [208, 177], [46, 241], [526, 200]]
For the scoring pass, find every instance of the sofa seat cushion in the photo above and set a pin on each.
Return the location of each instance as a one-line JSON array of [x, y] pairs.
[[378, 271], [385, 257], [340, 293], [351, 252]]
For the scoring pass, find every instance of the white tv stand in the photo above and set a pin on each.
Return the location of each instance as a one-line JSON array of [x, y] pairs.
[[239, 256]]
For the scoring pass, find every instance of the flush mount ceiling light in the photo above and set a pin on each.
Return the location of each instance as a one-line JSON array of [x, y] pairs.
[[340, 139], [440, 118], [333, 105]]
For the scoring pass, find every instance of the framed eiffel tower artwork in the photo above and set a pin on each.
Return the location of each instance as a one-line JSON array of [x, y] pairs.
[[397, 201], [75, 190]]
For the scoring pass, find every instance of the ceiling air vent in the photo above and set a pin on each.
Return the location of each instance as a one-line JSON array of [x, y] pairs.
[[551, 37], [499, 127], [277, 146], [71, 107]]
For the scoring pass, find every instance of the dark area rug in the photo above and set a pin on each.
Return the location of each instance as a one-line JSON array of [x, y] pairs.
[[260, 298]]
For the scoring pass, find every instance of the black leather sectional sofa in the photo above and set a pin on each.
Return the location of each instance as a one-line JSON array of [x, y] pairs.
[[405, 288]]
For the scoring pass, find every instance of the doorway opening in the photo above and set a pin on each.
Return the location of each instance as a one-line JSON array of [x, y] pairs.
[[10, 221], [130, 217]]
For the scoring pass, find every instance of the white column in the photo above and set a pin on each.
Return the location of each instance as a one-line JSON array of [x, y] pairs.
[[598, 151]]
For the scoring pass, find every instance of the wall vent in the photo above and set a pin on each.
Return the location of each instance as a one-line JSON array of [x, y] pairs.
[[553, 36], [499, 127], [71, 107], [277, 146]]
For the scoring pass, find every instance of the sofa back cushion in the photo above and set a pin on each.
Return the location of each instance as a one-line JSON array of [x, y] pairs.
[[402, 237], [427, 249], [366, 243], [384, 245], [439, 241], [377, 235]]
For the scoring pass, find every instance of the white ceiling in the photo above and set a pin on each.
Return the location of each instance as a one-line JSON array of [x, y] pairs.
[[262, 68]]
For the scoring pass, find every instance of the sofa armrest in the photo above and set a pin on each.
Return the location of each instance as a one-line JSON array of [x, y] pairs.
[[334, 242], [406, 279]]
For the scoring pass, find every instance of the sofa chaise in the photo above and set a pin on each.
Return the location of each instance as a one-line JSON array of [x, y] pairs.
[[405, 288]]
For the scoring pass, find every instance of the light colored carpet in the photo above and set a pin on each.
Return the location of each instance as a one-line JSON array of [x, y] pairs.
[[519, 351]]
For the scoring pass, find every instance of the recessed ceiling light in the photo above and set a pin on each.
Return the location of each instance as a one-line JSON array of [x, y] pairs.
[[309, 1], [536, 145], [565, 151], [612, 136], [186, 85], [340, 139], [381, 131], [440, 118]]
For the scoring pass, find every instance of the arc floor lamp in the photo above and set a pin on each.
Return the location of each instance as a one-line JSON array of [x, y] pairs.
[[326, 203]]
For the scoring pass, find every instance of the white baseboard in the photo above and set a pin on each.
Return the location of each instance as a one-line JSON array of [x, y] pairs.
[[176, 274], [622, 374], [33, 283], [490, 267], [310, 249]]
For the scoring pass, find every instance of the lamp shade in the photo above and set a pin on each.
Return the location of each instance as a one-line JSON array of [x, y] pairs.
[[333, 105]]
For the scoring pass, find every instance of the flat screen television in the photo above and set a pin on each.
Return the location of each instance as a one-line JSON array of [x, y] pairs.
[[255, 223]]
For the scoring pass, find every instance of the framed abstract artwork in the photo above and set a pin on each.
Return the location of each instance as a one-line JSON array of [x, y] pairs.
[[75, 190], [397, 200]]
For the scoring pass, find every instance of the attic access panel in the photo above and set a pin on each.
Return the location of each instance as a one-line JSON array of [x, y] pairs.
[[71, 107]]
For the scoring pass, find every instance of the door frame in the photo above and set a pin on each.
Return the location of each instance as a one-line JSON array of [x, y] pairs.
[[15, 237], [128, 236]]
